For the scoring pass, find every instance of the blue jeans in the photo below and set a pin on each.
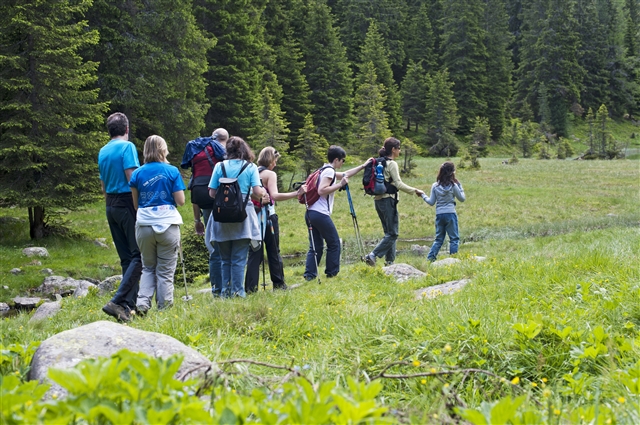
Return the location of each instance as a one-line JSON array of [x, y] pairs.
[[122, 223], [323, 230], [215, 270], [446, 223], [234, 260], [388, 212]]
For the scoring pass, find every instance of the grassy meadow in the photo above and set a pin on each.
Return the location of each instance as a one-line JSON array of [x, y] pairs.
[[552, 315]]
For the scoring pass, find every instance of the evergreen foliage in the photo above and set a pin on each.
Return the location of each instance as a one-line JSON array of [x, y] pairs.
[[372, 126], [465, 57], [481, 135], [420, 44], [374, 52], [152, 62], [499, 65], [328, 73], [441, 116], [49, 137], [414, 93], [312, 147], [273, 128]]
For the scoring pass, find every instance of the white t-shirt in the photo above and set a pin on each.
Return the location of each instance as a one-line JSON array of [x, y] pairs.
[[324, 204]]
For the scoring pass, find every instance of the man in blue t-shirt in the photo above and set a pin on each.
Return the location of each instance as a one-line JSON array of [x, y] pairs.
[[117, 160]]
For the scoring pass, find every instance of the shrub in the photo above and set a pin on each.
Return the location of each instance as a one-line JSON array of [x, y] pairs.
[[196, 256]]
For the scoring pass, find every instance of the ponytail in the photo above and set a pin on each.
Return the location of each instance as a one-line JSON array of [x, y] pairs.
[[389, 144]]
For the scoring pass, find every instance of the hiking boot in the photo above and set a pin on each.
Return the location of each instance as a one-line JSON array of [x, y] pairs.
[[280, 287], [388, 263], [117, 311], [370, 259]]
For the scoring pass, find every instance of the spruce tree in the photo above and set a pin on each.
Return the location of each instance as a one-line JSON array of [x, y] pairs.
[[499, 65], [236, 69], [152, 62], [420, 39], [49, 138], [441, 116], [328, 74], [481, 135], [465, 58], [372, 127], [312, 147], [273, 128], [374, 52], [414, 93]]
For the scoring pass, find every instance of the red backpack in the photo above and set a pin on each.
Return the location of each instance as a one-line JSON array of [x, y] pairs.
[[312, 183]]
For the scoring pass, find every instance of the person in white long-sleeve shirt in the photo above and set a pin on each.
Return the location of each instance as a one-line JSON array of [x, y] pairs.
[[444, 193], [157, 189]]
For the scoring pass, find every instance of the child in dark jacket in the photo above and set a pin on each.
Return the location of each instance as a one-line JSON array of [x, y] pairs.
[[444, 192]]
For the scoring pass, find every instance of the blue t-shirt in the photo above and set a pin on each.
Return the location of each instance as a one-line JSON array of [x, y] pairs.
[[156, 182], [115, 157], [248, 179]]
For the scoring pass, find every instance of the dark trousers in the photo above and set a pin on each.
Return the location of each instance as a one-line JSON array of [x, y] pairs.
[[323, 231], [272, 244], [122, 223]]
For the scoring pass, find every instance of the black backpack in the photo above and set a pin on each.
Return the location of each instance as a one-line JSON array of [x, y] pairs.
[[369, 178], [228, 205]]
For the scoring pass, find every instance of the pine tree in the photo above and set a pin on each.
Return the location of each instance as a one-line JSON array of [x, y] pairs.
[[355, 16], [603, 136], [152, 62], [328, 74], [372, 127], [50, 114], [280, 21], [312, 148], [590, 119], [236, 68], [465, 58], [420, 39], [414, 93], [499, 65], [374, 52], [274, 127], [441, 116], [481, 135]]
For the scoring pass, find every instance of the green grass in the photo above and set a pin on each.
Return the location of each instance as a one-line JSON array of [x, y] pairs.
[[562, 243]]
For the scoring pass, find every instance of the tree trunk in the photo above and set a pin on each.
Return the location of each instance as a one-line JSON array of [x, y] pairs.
[[36, 222]]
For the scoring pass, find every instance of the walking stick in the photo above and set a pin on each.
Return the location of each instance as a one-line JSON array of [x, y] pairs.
[[187, 297], [313, 244], [355, 223]]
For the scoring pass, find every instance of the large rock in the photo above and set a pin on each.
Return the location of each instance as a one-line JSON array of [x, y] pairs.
[[443, 289], [103, 339], [445, 262], [420, 249], [37, 251], [403, 272], [64, 286], [27, 303], [45, 310], [109, 284]]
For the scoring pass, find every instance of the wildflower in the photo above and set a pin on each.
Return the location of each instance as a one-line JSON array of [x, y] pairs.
[[432, 370], [416, 363], [533, 384], [556, 412], [384, 330], [435, 416], [446, 385], [424, 381], [447, 348], [370, 361], [308, 334], [545, 380], [516, 380], [546, 393], [503, 379], [621, 400], [401, 358]]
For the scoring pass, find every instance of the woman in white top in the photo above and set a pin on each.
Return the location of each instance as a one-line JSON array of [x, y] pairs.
[[319, 215], [157, 190]]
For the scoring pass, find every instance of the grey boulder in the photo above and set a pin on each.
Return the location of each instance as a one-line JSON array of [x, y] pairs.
[[64, 286], [403, 272], [45, 310], [37, 251], [443, 289]]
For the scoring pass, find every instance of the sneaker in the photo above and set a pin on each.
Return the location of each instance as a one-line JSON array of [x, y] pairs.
[[116, 311], [370, 259]]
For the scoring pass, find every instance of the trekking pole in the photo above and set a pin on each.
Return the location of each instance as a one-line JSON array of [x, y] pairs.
[[355, 223], [187, 297], [313, 244], [263, 248]]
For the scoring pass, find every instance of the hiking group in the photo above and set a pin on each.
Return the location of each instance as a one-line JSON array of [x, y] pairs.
[[234, 208]]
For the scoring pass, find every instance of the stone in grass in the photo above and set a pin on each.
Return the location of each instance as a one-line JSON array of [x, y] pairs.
[[100, 244], [35, 251], [27, 303], [47, 271], [403, 272], [15, 270], [64, 286], [4, 307], [109, 284], [443, 289], [103, 339], [445, 262], [45, 310]]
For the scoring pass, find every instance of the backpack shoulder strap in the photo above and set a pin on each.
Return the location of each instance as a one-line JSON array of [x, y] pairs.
[[246, 164], [224, 170], [206, 151]]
